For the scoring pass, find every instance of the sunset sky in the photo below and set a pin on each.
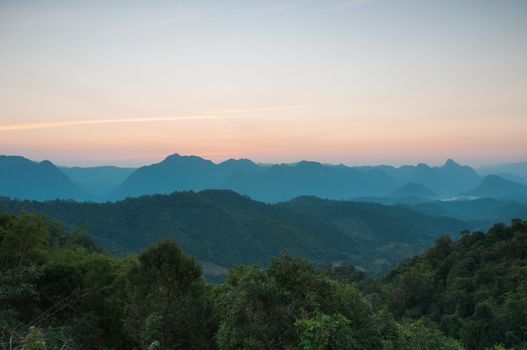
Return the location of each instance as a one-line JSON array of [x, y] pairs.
[[337, 81]]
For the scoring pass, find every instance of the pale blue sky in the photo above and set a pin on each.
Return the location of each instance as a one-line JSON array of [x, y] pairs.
[[358, 82]]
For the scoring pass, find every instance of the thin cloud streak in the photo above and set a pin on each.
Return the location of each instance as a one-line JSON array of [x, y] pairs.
[[33, 126], [347, 5], [226, 114], [272, 109], [173, 20], [188, 17]]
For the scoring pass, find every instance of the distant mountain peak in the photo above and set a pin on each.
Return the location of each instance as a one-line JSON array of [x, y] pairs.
[[238, 161], [496, 186], [413, 189], [47, 163], [493, 177], [174, 155], [309, 164], [181, 160], [180, 156], [451, 163], [25, 179]]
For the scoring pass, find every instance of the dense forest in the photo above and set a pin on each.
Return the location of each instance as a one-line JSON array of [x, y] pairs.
[[474, 289], [225, 228], [59, 291]]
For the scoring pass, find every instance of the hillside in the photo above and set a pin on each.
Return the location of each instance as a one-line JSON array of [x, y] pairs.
[[375, 222], [59, 291], [24, 179], [413, 190], [447, 180], [498, 187], [483, 211], [474, 289], [517, 170], [225, 228], [286, 181], [99, 180], [180, 173]]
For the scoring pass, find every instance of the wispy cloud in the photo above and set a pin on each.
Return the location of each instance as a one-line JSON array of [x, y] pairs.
[[270, 109], [281, 7], [220, 114], [194, 13], [346, 5], [48, 125], [174, 20]]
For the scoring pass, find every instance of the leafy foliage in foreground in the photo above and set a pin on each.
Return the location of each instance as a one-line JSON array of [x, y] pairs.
[[59, 292], [475, 288], [293, 305]]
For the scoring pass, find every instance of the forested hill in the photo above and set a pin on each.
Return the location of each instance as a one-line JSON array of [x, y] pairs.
[[474, 289], [225, 228], [61, 293], [380, 223], [24, 179]]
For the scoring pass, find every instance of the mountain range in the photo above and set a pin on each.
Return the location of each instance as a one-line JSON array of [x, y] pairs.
[[24, 179]]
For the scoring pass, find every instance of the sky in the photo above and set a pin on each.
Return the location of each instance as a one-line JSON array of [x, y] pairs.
[[337, 81]]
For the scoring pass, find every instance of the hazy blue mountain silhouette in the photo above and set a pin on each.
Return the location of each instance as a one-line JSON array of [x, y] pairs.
[[24, 179], [412, 189], [286, 181], [270, 183], [512, 170], [281, 182], [447, 180], [178, 173], [97, 181], [513, 178], [497, 187]]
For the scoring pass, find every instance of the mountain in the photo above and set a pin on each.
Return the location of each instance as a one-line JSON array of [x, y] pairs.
[[179, 173], [482, 211], [496, 187], [22, 178], [512, 177], [412, 189], [512, 169], [447, 180], [225, 228], [98, 181], [283, 182], [376, 222], [269, 183]]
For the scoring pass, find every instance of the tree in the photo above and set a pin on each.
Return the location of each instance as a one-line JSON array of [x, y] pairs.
[[483, 329], [34, 340], [324, 332], [167, 300]]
